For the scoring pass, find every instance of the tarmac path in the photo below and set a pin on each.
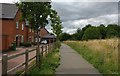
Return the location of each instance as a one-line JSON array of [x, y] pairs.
[[73, 63]]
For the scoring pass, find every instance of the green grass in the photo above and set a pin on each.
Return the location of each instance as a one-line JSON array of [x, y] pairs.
[[96, 58], [49, 64]]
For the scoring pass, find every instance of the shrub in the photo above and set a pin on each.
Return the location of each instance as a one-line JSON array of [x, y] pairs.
[[26, 44], [13, 46], [34, 43], [57, 44], [22, 44]]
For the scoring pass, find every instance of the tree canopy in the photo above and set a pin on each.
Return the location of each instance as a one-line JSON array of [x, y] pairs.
[[56, 23], [35, 12], [94, 32]]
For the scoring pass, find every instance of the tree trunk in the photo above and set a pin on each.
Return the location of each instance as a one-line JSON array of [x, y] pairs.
[[38, 60]]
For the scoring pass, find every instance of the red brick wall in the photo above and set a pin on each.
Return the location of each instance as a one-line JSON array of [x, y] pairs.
[[19, 30], [9, 29], [43, 32]]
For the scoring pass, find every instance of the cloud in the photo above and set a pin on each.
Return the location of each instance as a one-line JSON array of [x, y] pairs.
[[78, 14], [84, 10], [72, 26], [85, 0]]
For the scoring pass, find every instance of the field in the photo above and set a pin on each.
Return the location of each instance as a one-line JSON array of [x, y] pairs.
[[103, 54]]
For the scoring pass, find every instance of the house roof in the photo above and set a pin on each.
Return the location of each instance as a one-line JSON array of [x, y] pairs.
[[49, 36], [8, 10]]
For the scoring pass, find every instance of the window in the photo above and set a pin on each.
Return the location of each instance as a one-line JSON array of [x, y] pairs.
[[26, 22], [22, 38], [17, 25], [30, 29], [22, 26], [36, 40]]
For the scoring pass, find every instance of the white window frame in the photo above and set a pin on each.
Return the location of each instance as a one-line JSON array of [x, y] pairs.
[[36, 40], [22, 26], [30, 29], [17, 25], [26, 22]]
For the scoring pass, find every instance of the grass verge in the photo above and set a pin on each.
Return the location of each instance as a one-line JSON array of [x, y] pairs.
[[49, 64], [97, 58]]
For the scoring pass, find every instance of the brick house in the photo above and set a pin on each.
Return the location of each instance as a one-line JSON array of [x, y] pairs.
[[45, 35], [13, 30]]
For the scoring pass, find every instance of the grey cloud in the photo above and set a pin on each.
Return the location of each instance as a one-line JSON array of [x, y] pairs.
[[84, 10], [78, 14]]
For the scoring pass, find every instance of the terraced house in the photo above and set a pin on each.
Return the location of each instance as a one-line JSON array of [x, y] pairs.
[[15, 30]]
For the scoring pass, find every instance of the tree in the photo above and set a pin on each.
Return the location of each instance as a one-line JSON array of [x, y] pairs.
[[103, 30], [113, 30], [87, 26], [65, 36], [91, 33], [36, 13], [79, 34], [56, 23]]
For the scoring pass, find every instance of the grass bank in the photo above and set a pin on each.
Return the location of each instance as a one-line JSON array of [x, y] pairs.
[[49, 63], [103, 54]]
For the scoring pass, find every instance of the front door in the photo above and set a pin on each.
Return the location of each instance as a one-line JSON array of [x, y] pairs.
[[17, 41]]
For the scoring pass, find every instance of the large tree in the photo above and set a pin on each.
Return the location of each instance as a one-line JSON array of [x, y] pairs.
[[36, 13], [91, 33]]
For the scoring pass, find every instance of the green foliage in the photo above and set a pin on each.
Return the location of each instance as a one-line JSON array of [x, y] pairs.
[[26, 44], [65, 36], [113, 30], [95, 58], [103, 31], [56, 23], [13, 46], [35, 12], [49, 64], [57, 44], [91, 33]]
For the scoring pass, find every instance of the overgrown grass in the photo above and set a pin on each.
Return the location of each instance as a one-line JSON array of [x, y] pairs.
[[102, 60], [49, 64]]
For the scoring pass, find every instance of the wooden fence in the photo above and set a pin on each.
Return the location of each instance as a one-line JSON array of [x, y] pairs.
[[44, 50]]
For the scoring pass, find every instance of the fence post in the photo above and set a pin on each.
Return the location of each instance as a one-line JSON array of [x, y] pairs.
[[46, 50], [38, 61], [4, 64], [42, 50], [26, 61]]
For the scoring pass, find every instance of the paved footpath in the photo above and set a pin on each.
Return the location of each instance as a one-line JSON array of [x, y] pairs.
[[73, 63]]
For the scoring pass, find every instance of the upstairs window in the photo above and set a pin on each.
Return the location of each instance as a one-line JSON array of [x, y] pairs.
[[22, 26], [17, 25], [26, 22], [30, 30]]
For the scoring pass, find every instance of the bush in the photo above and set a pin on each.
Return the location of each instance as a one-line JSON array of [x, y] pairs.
[[57, 44], [34, 43], [22, 44], [26, 44], [13, 46]]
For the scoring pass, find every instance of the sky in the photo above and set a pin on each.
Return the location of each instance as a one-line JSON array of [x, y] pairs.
[[78, 13]]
